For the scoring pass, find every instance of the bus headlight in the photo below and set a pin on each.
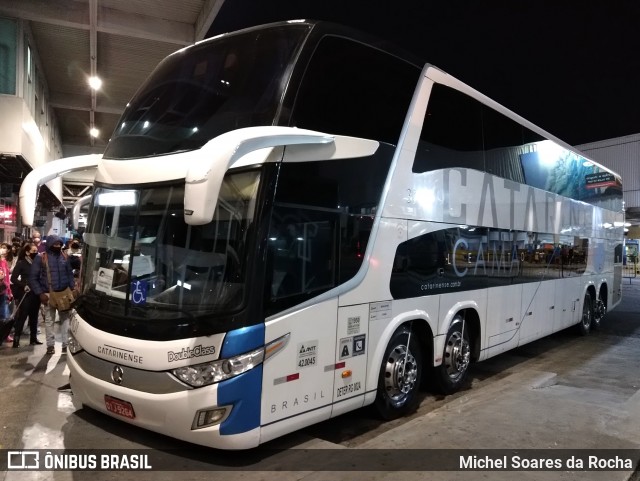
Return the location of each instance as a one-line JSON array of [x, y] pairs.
[[73, 344], [208, 373]]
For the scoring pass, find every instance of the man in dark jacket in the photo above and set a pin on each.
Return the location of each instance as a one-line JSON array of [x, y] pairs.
[[61, 278]]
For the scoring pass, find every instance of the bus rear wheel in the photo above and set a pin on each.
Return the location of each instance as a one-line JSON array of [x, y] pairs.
[[584, 326], [400, 375], [452, 373], [599, 311]]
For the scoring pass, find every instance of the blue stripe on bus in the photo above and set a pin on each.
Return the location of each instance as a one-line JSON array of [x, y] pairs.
[[243, 392], [242, 340]]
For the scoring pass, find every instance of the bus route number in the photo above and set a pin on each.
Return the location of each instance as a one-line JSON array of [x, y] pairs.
[[348, 389]]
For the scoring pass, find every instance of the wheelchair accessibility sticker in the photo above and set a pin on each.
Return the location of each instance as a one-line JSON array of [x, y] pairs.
[[139, 293]]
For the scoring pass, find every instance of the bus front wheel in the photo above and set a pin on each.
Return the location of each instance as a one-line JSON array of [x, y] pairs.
[[452, 373], [400, 375]]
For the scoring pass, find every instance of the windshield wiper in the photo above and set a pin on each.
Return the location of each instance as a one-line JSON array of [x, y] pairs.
[[158, 307], [99, 295]]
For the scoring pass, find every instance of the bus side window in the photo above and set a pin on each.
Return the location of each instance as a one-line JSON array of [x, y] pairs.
[[320, 225]]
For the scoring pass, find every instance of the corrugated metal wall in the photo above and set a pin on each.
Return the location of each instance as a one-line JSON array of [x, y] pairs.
[[622, 155]]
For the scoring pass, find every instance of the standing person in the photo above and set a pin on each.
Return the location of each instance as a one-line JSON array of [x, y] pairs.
[[29, 303], [16, 245], [75, 257], [36, 238], [5, 274], [59, 271]]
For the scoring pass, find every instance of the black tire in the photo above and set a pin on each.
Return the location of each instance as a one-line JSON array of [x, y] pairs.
[[584, 326], [451, 375], [599, 311], [400, 376]]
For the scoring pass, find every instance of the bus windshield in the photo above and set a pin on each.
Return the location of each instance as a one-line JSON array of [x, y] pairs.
[[140, 254], [206, 90]]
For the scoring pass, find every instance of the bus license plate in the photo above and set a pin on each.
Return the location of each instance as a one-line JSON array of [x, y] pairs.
[[120, 407]]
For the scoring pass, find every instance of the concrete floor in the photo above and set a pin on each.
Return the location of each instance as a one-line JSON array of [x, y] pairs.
[[562, 392]]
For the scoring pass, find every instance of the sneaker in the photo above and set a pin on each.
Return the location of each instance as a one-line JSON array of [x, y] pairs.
[[35, 343], [51, 350], [64, 349], [9, 338]]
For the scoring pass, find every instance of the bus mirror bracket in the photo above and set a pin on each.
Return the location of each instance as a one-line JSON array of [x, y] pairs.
[[45, 173], [204, 178], [75, 211]]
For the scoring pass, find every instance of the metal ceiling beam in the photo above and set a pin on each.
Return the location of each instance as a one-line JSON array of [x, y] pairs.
[[205, 19], [93, 60], [70, 13], [62, 100]]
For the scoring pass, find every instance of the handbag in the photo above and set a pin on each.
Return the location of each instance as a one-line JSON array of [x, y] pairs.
[[61, 300]]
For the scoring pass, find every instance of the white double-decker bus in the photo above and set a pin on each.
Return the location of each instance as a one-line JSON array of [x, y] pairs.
[[292, 221]]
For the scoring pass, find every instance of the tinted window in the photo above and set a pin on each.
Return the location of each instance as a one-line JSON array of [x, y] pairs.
[[451, 134], [352, 89], [462, 259], [320, 226], [212, 88], [459, 131]]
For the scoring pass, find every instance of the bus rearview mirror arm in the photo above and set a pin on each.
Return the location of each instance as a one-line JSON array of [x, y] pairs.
[[75, 211], [204, 177], [43, 174]]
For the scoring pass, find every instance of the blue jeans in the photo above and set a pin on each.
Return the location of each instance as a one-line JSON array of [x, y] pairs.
[[4, 307]]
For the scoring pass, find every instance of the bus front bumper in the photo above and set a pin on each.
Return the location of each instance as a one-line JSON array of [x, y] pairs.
[[174, 414]]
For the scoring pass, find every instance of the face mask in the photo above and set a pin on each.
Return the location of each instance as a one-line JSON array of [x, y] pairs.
[[56, 248], [33, 254]]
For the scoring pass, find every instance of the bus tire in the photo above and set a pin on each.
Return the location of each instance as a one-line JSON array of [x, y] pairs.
[[584, 326], [599, 311], [400, 376], [452, 373]]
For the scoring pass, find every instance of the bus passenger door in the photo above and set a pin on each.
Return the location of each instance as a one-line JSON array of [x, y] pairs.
[[297, 382], [350, 368]]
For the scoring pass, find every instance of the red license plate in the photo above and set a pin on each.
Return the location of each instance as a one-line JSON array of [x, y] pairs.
[[120, 407]]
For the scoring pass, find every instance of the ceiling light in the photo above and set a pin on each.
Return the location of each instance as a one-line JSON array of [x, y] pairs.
[[95, 83], [94, 132]]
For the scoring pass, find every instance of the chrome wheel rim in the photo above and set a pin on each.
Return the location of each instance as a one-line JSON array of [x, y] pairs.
[[457, 355], [400, 374]]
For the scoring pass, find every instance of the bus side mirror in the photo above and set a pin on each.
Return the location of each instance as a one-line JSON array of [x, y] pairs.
[[204, 177]]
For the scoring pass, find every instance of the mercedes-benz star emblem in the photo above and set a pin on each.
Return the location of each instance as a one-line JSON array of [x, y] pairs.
[[116, 374]]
